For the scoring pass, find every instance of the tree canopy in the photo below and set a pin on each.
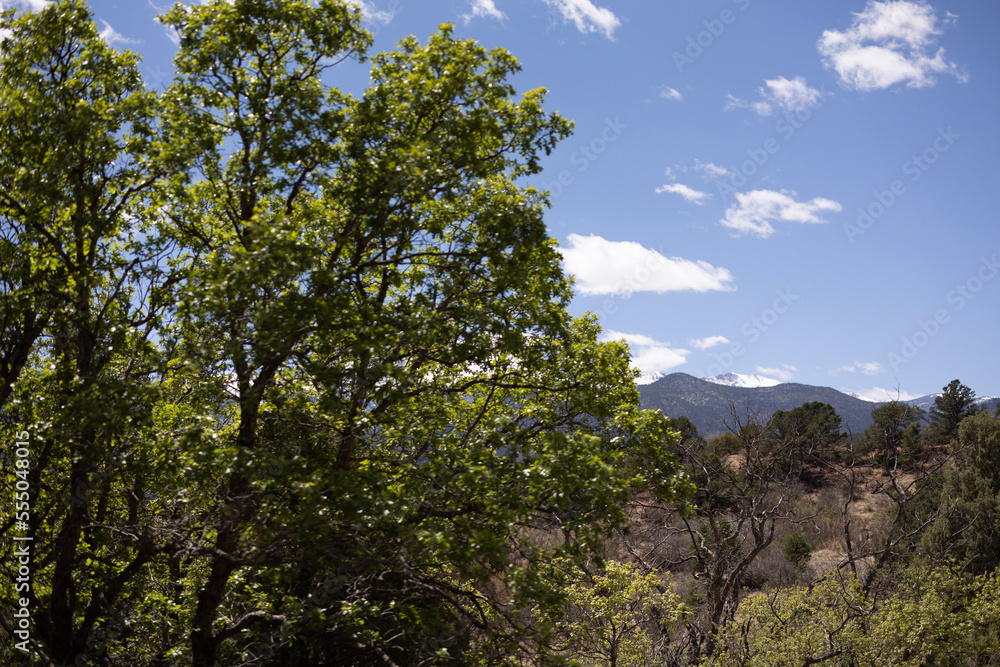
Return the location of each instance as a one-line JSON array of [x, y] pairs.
[[296, 366]]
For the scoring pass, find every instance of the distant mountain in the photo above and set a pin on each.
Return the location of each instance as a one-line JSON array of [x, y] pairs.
[[647, 378], [736, 380], [988, 403], [707, 403]]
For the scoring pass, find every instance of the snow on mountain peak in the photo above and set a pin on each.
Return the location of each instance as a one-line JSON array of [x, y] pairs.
[[737, 380]]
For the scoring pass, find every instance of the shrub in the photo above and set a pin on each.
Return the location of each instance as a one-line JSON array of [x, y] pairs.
[[797, 550]]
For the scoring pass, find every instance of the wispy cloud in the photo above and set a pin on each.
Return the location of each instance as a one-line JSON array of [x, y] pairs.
[[484, 9], [888, 43], [784, 372], [374, 14], [690, 194], [706, 343], [785, 94], [754, 211], [171, 33], [760, 106], [710, 170], [669, 93], [652, 357], [586, 16], [112, 36], [866, 367], [625, 267]]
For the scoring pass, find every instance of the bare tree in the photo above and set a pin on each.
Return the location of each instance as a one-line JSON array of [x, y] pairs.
[[739, 500], [870, 463]]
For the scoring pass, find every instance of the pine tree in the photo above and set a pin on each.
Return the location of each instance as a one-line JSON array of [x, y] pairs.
[[951, 406]]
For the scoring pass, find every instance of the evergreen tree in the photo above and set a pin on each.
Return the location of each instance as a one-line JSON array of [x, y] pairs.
[[807, 431], [969, 524], [885, 437], [951, 406]]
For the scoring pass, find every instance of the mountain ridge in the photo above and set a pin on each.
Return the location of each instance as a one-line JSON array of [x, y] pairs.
[[707, 404]]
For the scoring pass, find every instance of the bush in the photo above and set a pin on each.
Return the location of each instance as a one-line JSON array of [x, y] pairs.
[[797, 550]]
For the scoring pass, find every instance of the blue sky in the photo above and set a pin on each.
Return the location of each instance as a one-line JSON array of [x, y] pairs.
[[798, 190]]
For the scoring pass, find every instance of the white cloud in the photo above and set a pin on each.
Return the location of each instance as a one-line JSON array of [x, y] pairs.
[[755, 210], [711, 341], [711, 170], [733, 102], [586, 16], [374, 14], [668, 93], [880, 395], [27, 5], [112, 36], [787, 95], [624, 267], [484, 9], [652, 357], [866, 367], [784, 372], [794, 95], [762, 107], [888, 43], [690, 194]]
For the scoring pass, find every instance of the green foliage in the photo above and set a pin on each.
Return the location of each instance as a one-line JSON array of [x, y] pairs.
[[687, 431], [883, 440], [951, 406], [968, 526], [796, 550], [297, 367], [808, 432], [935, 618], [912, 448], [300, 384], [618, 617]]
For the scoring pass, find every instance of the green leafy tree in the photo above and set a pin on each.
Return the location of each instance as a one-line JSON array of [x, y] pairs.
[[616, 617], [298, 365], [82, 298], [374, 257], [934, 617]]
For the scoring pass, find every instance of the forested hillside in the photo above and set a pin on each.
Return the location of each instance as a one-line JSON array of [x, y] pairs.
[[805, 545], [707, 404]]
